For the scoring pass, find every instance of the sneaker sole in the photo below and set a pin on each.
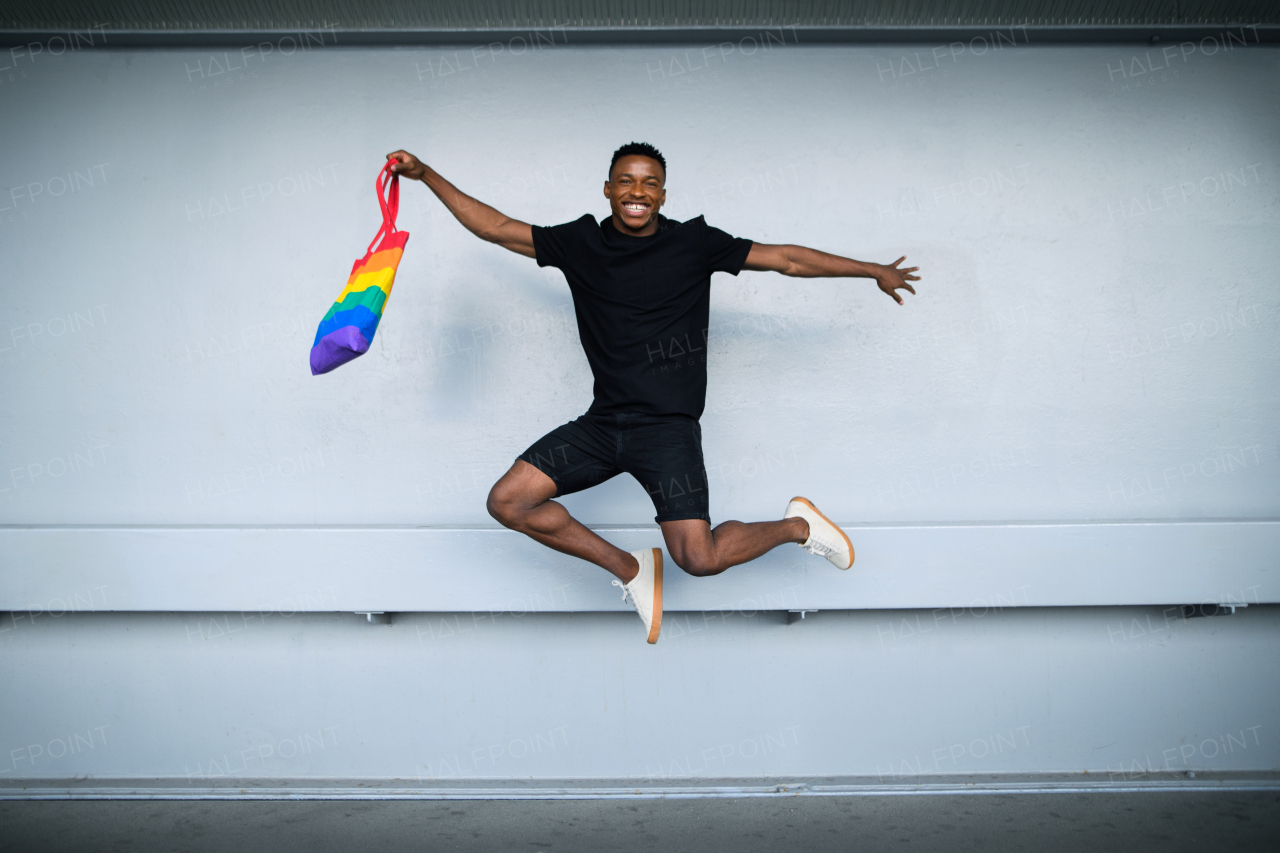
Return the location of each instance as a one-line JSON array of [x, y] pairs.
[[657, 597], [818, 513]]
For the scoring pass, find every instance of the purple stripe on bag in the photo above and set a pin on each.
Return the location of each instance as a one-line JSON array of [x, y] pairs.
[[336, 349]]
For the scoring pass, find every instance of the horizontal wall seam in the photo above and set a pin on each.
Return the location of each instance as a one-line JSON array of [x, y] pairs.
[[369, 791], [494, 528], [1018, 35]]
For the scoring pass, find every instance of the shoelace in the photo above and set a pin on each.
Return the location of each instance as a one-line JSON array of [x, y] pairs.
[[817, 546], [625, 592]]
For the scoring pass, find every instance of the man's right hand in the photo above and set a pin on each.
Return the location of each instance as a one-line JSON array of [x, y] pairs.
[[407, 165], [476, 216]]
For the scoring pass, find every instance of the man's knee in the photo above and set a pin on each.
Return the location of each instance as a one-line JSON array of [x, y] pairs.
[[505, 504], [520, 491]]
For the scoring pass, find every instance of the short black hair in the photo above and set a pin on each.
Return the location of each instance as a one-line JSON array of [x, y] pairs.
[[644, 149]]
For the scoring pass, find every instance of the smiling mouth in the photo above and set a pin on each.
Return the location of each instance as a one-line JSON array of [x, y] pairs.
[[635, 208]]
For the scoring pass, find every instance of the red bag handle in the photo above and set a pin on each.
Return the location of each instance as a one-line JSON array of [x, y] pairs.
[[390, 204]]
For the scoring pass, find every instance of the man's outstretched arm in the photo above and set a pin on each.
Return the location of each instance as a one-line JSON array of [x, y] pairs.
[[476, 216], [810, 263]]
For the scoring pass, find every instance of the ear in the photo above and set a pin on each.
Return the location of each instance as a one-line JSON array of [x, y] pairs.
[[606, 190]]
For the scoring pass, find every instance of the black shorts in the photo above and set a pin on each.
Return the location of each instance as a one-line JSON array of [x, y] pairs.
[[663, 453]]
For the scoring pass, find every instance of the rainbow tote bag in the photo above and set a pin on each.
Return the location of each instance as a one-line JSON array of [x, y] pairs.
[[347, 328]]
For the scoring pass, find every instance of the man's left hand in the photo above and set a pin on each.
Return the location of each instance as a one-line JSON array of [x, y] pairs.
[[890, 278]]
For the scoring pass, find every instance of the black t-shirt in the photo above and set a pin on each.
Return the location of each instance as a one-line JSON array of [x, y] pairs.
[[643, 306]]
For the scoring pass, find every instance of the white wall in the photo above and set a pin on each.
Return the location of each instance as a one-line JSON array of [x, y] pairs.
[[1127, 694], [1059, 350], [1093, 340]]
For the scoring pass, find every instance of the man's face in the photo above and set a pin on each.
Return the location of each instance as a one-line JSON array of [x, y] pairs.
[[635, 194]]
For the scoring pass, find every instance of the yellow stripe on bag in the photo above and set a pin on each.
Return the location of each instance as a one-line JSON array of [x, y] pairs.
[[363, 281]]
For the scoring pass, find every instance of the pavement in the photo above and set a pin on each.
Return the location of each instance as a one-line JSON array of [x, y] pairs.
[[1165, 821]]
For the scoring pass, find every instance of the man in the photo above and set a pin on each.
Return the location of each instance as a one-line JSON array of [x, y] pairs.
[[641, 287]]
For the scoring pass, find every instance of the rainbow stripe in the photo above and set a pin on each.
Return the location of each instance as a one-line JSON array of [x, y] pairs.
[[348, 327]]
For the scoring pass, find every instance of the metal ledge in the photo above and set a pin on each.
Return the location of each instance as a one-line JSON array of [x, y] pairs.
[[544, 37], [622, 789], [487, 569]]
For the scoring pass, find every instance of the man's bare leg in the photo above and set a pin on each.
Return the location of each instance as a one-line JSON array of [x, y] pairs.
[[521, 500], [701, 551]]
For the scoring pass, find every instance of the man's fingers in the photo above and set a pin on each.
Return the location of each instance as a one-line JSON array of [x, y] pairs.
[[912, 289], [402, 162]]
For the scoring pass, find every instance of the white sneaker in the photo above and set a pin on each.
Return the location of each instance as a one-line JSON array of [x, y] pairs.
[[645, 590], [825, 539]]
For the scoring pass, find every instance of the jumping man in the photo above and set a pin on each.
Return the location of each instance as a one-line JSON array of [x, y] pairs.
[[641, 286]]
